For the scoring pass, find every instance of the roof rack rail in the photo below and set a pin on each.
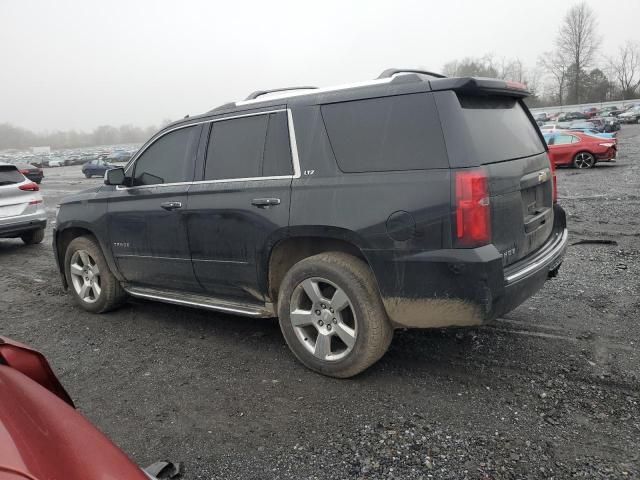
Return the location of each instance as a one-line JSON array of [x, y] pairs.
[[390, 72], [259, 93]]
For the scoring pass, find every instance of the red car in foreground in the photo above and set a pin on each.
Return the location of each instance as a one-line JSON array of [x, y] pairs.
[[42, 436], [579, 149]]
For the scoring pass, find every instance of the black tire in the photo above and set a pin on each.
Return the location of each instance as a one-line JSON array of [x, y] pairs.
[[373, 331], [584, 160], [33, 237], [111, 295], [88, 175]]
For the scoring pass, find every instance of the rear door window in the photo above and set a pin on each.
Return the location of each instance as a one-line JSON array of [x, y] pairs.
[[384, 134], [10, 175], [249, 147], [235, 148], [277, 149]]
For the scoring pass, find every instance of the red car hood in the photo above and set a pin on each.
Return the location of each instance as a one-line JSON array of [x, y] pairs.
[[43, 438]]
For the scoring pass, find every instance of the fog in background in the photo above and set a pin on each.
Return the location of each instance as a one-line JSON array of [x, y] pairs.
[[80, 64]]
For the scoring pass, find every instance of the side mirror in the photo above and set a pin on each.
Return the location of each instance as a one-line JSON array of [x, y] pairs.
[[115, 176]]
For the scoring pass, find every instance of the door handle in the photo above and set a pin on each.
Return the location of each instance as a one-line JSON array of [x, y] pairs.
[[171, 205], [265, 202]]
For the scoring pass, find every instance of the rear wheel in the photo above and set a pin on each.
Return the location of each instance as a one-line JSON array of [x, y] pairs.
[[33, 237], [91, 283], [331, 315], [88, 175], [584, 160]]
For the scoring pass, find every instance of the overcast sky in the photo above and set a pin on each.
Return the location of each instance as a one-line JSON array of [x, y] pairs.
[[78, 64]]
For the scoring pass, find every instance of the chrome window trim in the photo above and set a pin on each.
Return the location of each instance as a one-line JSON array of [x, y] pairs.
[[293, 145]]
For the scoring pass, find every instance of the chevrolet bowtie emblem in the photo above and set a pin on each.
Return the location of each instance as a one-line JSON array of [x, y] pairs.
[[542, 177]]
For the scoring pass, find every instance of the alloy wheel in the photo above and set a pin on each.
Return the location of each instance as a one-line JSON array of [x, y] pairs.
[[323, 319], [85, 276], [584, 160]]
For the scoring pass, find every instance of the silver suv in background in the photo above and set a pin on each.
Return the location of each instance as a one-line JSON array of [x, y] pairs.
[[22, 212]]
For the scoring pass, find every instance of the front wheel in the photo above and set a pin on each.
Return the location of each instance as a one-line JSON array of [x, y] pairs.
[[87, 175], [584, 160], [93, 286], [331, 315]]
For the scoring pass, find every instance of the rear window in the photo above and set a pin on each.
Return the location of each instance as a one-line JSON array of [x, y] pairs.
[[388, 133], [10, 175], [500, 128]]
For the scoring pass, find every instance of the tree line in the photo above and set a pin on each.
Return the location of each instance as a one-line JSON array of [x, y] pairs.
[[22, 138], [575, 71]]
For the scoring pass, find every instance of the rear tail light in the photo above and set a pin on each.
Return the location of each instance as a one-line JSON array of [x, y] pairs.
[[473, 214], [32, 364], [35, 202], [24, 172], [30, 187], [608, 144], [554, 179]]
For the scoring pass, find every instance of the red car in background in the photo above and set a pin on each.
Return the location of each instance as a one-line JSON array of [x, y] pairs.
[[42, 436], [579, 149], [590, 112]]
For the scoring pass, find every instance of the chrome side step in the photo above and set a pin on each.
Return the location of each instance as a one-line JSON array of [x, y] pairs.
[[201, 301]]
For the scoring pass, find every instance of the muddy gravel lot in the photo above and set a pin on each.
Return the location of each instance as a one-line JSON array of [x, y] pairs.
[[550, 391]]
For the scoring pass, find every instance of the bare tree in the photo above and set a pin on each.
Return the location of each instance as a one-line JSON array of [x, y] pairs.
[[511, 69], [556, 65], [626, 69], [578, 42]]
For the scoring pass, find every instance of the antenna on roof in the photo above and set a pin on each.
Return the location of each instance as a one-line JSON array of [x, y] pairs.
[[390, 72], [259, 93]]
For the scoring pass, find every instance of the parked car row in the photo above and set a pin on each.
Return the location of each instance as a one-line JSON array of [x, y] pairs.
[[601, 124], [68, 157], [629, 113]]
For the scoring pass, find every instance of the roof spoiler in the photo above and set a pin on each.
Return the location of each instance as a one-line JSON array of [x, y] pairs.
[[481, 86]]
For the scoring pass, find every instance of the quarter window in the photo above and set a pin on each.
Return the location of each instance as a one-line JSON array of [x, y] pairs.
[[564, 139], [169, 159], [389, 133]]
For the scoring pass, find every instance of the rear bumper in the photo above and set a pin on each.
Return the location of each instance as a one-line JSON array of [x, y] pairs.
[[25, 224], [463, 287]]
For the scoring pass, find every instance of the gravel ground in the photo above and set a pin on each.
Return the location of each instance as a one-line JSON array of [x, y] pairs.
[[550, 391]]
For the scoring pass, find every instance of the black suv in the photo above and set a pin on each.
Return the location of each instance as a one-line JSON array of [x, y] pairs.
[[412, 200]]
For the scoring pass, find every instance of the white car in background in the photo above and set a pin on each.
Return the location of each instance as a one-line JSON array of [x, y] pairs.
[[630, 116], [22, 212], [56, 163]]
